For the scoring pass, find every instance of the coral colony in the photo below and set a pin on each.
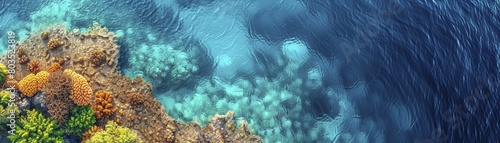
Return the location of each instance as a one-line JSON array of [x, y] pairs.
[[66, 88]]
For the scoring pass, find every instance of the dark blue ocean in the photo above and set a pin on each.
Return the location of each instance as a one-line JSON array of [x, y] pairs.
[[361, 71]]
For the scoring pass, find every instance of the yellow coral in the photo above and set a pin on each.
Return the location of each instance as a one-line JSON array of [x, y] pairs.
[[32, 83], [81, 93]]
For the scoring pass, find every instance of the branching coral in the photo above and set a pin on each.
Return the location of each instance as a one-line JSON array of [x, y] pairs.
[[3, 73], [135, 98], [81, 93], [103, 106], [34, 67], [7, 113], [32, 83], [114, 134], [58, 89], [97, 57], [81, 119], [90, 132], [36, 128], [52, 68], [4, 98], [54, 43]]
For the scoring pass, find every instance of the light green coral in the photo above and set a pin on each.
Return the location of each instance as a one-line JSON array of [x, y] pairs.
[[36, 128], [114, 134], [81, 119], [6, 115], [4, 98], [3, 73]]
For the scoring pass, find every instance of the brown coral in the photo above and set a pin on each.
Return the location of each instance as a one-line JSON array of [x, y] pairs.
[[58, 89], [97, 57], [32, 83], [81, 93], [135, 98], [54, 43], [54, 67], [90, 132], [44, 35], [34, 67], [22, 56], [103, 106]]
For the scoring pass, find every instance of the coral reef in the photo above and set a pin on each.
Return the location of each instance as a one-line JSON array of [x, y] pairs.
[[149, 119], [34, 67], [54, 67], [3, 73], [103, 106], [33, 83], [135, 98], [81, 119], [114, 134], [22, 56], [90, 132], [36, 128], [81, 93]]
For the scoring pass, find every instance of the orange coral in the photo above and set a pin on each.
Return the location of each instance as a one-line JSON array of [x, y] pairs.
[[97, 57], [32, 83], [54, 67], [135, 98], [54, 43], [103, 105], [81, 93], [90, 132], [34, 67]]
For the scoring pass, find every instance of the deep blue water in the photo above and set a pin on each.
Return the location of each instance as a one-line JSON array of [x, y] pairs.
[[412, 71]]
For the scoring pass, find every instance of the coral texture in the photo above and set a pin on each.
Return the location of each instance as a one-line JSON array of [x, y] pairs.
[[97, 57], [36, 128], [81, 119], [58, 89], [103, 106], [90, 132], [81, 93], [6, 115], [4, 98], [22, 56], [34, 67], [54, 43], [33, 83], [3, 73], [114, 134], [52, 68], [135, 98]]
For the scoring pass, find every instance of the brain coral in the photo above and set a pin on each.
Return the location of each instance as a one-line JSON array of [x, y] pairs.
[[32, 83], [103, 105], [81, 93]]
